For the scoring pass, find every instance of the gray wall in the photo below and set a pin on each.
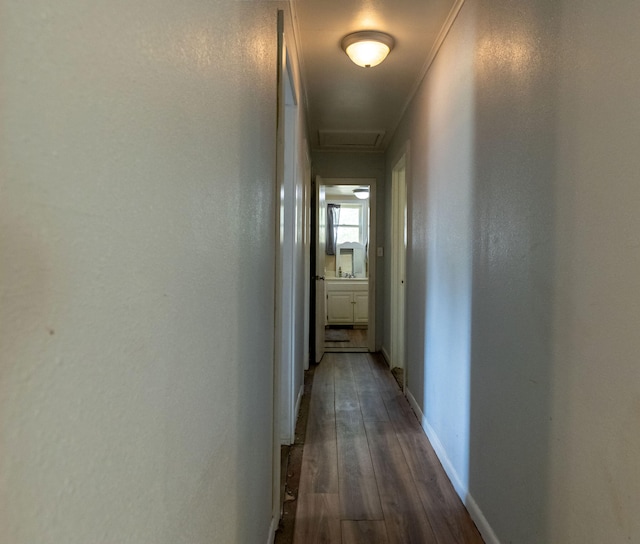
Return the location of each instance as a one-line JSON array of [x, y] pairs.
[[523, 263], [136, 271], [361, 165]]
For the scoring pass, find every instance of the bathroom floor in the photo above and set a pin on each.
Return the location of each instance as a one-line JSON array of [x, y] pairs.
[[345, 338]]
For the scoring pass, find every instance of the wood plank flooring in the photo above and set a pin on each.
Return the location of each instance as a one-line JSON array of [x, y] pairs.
[[369, 474], [357, 340]]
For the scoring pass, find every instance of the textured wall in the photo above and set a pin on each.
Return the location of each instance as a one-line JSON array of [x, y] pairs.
[[595, 445], [515, 129], [136, 271], [523, 263], [439, 256]]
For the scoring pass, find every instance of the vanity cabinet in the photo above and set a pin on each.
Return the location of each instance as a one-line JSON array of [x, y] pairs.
[[347, 302]]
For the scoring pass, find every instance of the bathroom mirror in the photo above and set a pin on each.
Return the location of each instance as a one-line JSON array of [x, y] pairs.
[[351, 260]]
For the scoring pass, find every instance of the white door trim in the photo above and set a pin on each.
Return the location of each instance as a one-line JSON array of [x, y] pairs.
[[319, 275], [398, 262], [371, 183], [284, 396]]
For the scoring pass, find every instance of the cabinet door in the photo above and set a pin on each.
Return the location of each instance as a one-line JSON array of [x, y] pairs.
[[361, 307], [339, 307]]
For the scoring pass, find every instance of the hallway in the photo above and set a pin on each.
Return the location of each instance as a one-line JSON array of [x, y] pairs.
[[159, 165], [368, 471]]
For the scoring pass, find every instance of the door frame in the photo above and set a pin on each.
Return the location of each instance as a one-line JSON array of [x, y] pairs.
[[398, 284], [319, 287], [398, 262], [306, 236], [290, 330], [373, 250], [284, 398]]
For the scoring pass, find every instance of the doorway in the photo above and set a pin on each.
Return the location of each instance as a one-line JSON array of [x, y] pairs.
[[345, 265]]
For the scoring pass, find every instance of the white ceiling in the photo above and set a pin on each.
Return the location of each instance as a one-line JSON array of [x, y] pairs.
[[337, 191], [348, 104]]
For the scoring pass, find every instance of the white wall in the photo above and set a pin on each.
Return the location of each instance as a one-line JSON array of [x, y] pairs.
[[595, 439], [523, 263], [136, 271]]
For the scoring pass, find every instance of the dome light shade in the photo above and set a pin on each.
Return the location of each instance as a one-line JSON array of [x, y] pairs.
[[362, 193], [367, 48]]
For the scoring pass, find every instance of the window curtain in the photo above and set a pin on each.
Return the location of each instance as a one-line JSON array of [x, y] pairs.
[[333, 219]]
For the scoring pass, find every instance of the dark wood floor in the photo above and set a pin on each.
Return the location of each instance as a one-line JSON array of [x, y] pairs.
[[369, 474]]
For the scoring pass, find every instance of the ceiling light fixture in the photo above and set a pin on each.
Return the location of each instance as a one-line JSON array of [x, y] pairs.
[[362, 193], [367, 48]]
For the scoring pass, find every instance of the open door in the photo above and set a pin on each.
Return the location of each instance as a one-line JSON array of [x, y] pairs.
[[320, 245]]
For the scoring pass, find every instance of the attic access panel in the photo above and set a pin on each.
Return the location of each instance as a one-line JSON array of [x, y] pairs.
[[361, 139]]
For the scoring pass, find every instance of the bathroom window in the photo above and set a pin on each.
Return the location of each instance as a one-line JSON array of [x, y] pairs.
[[352, 223]]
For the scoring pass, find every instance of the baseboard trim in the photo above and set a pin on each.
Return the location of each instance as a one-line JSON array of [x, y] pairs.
[[288, 438], [475, 512], [296, 411], [272, 531], [386, 356], [461, 489], [481, 522]]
